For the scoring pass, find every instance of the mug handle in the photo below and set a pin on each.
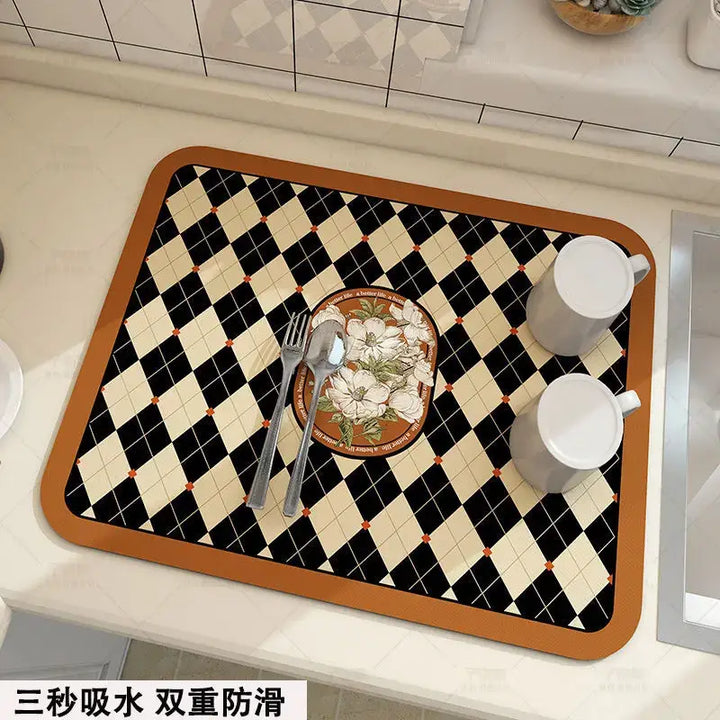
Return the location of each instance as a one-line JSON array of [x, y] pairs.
[[640, 267], [629, 402]]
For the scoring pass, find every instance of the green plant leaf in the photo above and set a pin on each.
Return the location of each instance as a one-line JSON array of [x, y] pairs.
[[366, 305], [325, 404], [360, 314], [346, 432], [390, 415], [336, 418]]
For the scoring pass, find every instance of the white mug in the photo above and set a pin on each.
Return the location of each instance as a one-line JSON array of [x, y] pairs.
[[580, 295], [572, 429]]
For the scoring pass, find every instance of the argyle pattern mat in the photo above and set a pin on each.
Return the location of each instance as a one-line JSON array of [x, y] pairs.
[[172, 441]]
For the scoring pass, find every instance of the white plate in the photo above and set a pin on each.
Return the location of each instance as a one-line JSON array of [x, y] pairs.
[[11, 387]]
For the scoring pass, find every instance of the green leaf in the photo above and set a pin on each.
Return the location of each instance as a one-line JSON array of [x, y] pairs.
[[346, 432], [360, 314], [336, 418], [325, 404], [367, 306], [390, 415]]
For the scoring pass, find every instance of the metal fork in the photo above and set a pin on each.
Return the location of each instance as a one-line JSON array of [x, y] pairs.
[[291, 353]]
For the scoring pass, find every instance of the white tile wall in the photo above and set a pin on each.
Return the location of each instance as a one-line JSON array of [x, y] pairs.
[[164, 24], [372, 51], [73, 43], [530, 122], [82, 17], [628, 139], [161, 58], [8, 13]]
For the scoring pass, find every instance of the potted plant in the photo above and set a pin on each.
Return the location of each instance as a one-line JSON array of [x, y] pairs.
[[603, 17]]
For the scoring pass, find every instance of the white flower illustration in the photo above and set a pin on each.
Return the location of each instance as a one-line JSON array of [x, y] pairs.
[[407, 404], [414, 327], [422, 372], [357, 394], [372, 339], [330, 312]]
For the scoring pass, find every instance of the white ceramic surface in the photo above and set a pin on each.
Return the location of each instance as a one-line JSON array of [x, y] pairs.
[[580, 295], [50, 297], [11, 387], [573, 428], [703, 34]]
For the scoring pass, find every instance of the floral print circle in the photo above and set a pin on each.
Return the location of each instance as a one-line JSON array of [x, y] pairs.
[[377, 403]]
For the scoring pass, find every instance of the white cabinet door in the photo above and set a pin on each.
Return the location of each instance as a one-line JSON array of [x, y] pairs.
[[36, 648]]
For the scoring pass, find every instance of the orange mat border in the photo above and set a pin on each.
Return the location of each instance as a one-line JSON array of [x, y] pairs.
[[327, 587]]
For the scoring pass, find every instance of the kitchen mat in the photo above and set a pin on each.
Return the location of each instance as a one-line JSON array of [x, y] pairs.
[[411, 505]]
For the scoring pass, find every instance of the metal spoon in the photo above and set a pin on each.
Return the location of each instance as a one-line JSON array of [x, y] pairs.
[[324, 355]]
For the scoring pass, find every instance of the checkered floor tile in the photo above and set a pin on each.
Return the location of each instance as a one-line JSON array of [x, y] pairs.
[[173, 438]]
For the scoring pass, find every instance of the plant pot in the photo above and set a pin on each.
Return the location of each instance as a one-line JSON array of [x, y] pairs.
[[586, 20]]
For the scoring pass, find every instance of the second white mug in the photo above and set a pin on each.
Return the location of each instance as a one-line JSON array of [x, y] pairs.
[[580, 295]]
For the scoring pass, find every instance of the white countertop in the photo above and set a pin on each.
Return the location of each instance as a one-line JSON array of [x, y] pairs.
[[73, 170], [525, 58]]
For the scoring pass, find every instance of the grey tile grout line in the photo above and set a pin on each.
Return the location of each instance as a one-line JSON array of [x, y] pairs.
[[110, 32], [200, 42], [22, 20], [392, 56], [577, 129], [380, 12], [677, 145], [294, 44]]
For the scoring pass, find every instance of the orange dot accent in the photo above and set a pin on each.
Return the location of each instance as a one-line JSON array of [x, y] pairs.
[[365, 238], [245, 499], [426, 538], [513, 331], [189, 486], [306, 511], [438, 460], [229, 343], [610, 579], [77, 462], [266, 423], [102, 389], [497, 472], [247, 278], [506, 399], [459, 320], [615, 497], [487, 552], [449, 387], [263, 219], [549, 565], [155, 400], [521, 268], [147, 258], [124, 322], [623, 352], [416, 248], [468, 258], [195, 268], [365, 525], [176, 332], [299, 289], [209, 411], [132, 473], [213, 209], [313, 228]]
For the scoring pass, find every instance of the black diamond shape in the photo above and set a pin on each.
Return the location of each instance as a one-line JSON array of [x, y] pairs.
[[411, 277], [456, 353], [421, 222], [101, 423], [538, 240], [270, 194], [205, 238], [306, 258], [472, 231], [219, 377], [321, 475], [76, 497], [185, 175], [264, 387], [238, 310], [320, 203], [107, 509], [255, 248], [359, 266], [221, 185], [464, 289], [498, 452], [370, 212], [185, 300]]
